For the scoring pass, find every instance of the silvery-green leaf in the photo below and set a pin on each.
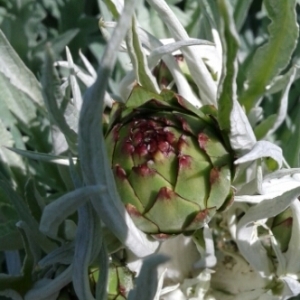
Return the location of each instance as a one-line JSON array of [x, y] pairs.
[[159, 50], [13, 262], [202, 77], [93, 155], [57, 159], [241, 10], [103, 263], [283, 107], [83, 251], [262, 149], [62, 114], [25, 215], [77, 98], [263, 128], [57, 211], [88, 65], [139, 61], [45, 289], [31, 243], [274, 184], [11, 160], [11, 294], [292, 254], [231, 116], [115, 7], [247, 240], [160, 291], [271, 58], [206, 249], [157, 53], [19, 104], [88, 80], [255, 115], [62, 255], [152, 43], [291, 287], [147, 281], [281, 260], [281, 81], [19, 75]]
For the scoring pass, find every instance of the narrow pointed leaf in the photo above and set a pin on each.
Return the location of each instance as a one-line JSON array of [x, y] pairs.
[[57, 211], [147, 281]]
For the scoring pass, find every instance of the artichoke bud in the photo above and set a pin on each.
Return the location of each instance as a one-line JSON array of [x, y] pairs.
[[172, 165]]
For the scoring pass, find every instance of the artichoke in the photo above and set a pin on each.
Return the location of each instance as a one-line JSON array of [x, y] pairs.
[[172, 165]]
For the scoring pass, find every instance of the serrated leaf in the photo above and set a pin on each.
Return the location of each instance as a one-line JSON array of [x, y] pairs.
[[231, 116], [271, 58]]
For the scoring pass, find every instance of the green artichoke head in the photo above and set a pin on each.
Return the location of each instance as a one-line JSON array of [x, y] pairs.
[[172, 166]]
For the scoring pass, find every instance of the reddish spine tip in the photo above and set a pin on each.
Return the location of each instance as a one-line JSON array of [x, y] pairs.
[[202, 140], [143, 170], [182, 143], [141, 149], [132, 211], [185, 161], [214, 175], [128, 148], [161, 236], [115, 132], [163, 146], [201, 216], [165, 193], [120, 172]]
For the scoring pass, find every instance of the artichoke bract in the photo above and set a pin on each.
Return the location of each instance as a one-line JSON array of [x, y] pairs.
[[172, 166]]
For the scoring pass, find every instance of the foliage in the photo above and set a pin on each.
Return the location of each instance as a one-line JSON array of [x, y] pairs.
[[64, 232]]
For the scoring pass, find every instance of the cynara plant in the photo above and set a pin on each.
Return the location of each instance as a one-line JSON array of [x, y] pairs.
[[164, 179]]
